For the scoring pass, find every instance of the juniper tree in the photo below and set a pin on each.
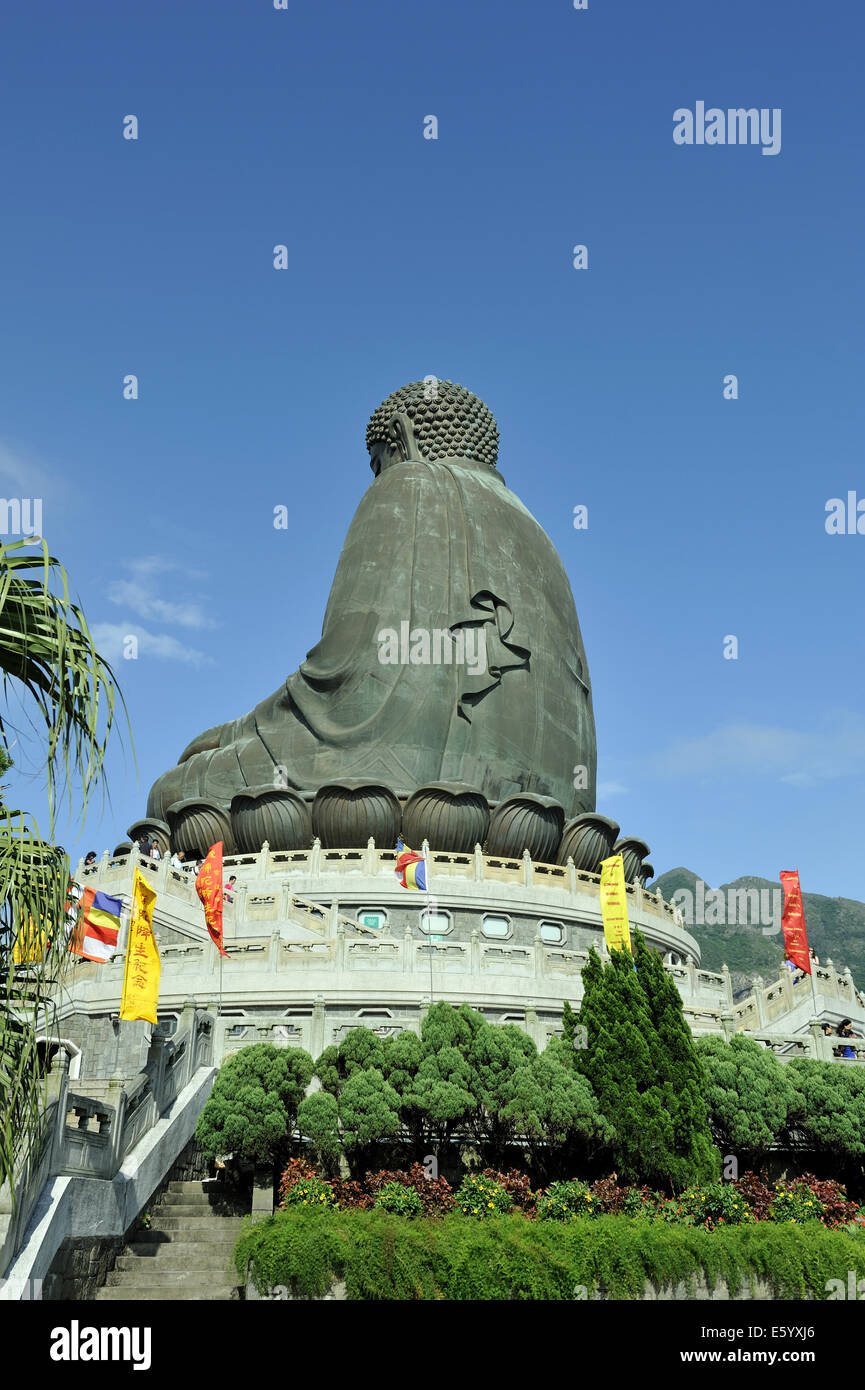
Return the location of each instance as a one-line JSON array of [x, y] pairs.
[[254, 1101], [643, 1068], [368, 1112], [748, 1095], [318, 1119], [829, 1106]]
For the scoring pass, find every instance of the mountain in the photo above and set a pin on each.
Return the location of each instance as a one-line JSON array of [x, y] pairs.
[[836, 930]]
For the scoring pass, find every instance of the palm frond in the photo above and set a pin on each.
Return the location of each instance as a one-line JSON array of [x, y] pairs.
[[34, 878], [48, 653], [47, 647]]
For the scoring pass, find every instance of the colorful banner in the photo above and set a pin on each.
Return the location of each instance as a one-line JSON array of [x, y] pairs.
[[97, 927], [793, 921], [410, 868], [30, 945], [208, 886], [143, 969], [614, 904]]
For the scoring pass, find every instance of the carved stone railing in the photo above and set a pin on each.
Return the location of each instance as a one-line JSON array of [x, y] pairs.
[[769, 1002], [369, 860], [34, 1171], [813, 1043], [83, 1136]]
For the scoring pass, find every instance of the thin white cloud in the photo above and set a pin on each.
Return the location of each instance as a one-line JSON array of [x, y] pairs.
[[147, 565], [139, 598], [793, 756], [112, 642]]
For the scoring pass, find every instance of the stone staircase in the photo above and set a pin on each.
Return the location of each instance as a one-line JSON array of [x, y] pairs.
[[186, 1251]]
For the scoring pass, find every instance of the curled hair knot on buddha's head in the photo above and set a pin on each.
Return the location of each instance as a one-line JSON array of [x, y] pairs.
[[447, 421]]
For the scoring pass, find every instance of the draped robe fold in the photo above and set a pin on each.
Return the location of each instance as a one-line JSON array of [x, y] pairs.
[[443, 546]]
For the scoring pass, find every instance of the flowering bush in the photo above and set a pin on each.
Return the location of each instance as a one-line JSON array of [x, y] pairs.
[[640, 1201], [829, 1196], [295, 1171], [411, 1193], [806, 1198], [481, 1196], [795, 1203], [608, 1198], [517, 1186], [435, 1194], [757, 1193], [565, 1201], [310, 1192], [716, 1204], [351, 1195], [399, 1200]]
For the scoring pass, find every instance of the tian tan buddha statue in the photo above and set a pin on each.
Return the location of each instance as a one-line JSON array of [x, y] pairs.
[[450, 651]]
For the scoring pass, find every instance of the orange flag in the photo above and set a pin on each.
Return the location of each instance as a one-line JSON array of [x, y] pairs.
[[793, 921], [208, 886]]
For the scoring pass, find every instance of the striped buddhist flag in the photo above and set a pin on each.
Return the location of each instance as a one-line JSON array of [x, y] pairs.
[[410, 868], [98, 926]]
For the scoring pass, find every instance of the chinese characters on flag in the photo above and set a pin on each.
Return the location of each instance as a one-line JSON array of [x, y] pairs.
[[614, 904], [208, 886], [142, 969], [793, 921]]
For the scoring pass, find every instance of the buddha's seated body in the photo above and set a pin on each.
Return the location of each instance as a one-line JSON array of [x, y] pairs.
[[450, 649]]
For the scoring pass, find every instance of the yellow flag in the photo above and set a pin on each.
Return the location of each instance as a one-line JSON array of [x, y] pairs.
[[614, 904], [29, 945], [143, 968]]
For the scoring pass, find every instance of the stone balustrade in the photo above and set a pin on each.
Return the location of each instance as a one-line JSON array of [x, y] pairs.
[[85, 1136], [317, 862]]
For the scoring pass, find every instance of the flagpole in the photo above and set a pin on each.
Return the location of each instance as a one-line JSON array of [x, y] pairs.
[[429, 921]]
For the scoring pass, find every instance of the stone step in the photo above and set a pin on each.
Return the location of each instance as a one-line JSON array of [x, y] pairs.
[[144, 1293], [224, 1231], [208, 1201], [185, 1250], [144, 1257], [154, 1277], [202, 1211], [195, 1225], [195, 1186]]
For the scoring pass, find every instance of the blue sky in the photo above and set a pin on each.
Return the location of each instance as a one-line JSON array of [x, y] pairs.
[[453, 257]]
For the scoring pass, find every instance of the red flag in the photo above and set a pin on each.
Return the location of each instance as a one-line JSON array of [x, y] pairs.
[[793, 921], [208, 886]]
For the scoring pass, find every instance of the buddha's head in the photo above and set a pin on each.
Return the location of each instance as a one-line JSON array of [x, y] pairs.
[[431, 420]]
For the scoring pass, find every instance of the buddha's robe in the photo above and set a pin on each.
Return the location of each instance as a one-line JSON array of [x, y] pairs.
[[440, 546]]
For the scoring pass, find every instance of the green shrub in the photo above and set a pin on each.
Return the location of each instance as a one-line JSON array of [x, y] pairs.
[[399, 1200], [482, 1196], [381, 1256], [564, 1201]]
